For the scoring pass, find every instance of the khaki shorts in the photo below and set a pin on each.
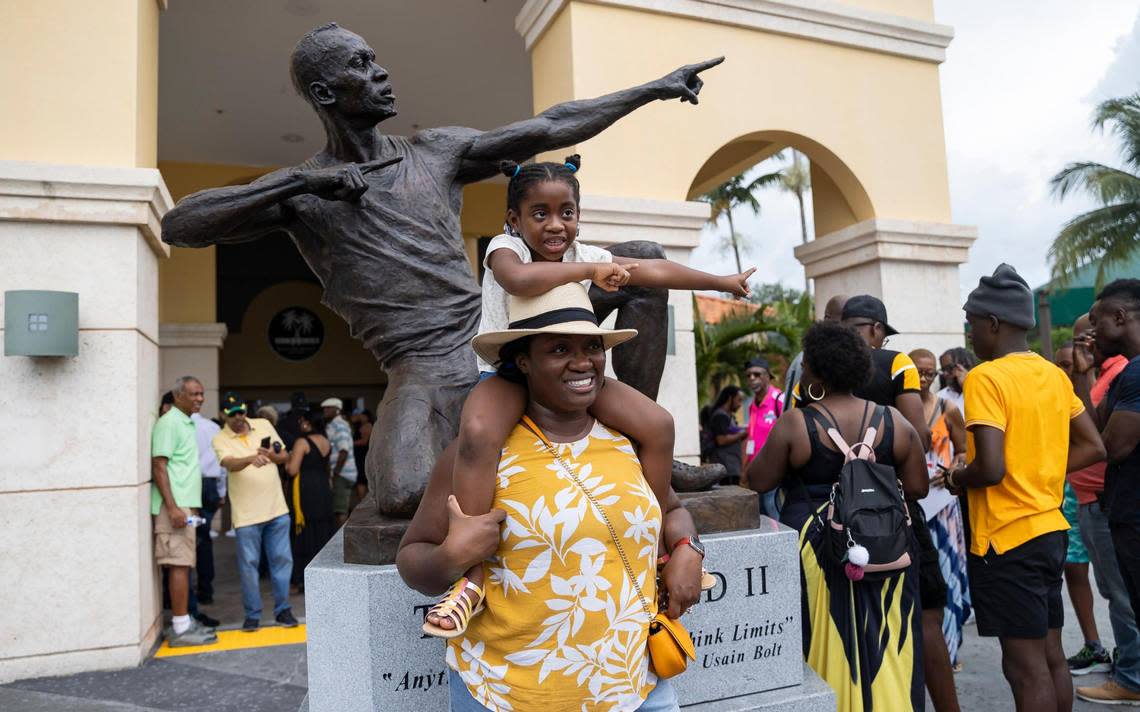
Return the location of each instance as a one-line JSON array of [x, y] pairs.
[[174, 547]]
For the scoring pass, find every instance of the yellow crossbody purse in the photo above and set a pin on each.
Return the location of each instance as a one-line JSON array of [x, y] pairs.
[[670, 645]]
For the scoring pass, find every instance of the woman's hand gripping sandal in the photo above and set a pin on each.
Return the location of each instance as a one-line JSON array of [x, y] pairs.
[[457, 607]]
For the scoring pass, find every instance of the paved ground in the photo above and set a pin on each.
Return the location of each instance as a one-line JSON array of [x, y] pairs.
[[274, 678]]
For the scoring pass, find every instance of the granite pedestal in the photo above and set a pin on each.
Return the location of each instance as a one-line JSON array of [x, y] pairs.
[[372, 538], [366, 650]]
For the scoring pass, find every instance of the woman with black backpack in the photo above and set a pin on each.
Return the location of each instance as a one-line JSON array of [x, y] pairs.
[[844, 465]]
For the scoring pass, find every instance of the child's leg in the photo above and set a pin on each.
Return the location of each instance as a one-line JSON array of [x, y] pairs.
[[627, 410], [490, 413]]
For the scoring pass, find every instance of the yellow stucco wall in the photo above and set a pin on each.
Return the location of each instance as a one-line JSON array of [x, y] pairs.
[[80, 81], [872, 121]]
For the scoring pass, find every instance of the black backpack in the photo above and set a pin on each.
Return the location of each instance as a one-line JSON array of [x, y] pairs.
[[866, 508]]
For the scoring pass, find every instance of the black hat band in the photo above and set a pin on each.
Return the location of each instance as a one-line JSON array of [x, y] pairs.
[[557, 316]]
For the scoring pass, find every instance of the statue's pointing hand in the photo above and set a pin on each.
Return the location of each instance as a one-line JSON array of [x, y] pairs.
[[344, 182], [685, 83]]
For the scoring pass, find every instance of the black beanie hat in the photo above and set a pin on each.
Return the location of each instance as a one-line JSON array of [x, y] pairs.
[[1005, 295]]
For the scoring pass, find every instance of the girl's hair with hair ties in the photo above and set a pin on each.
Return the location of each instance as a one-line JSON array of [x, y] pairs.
[[525, 175]]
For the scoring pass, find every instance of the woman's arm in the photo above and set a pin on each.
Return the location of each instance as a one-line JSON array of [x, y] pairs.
[[671, 275], [910, 458], [681, 576], [300, 449], [721, 425], [767, 469], [441, 542], [956, 424]]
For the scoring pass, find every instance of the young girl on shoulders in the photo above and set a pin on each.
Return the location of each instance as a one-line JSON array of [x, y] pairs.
[[540, 251]]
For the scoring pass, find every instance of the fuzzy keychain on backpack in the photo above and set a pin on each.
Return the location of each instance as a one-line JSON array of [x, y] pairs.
[[854, 561]]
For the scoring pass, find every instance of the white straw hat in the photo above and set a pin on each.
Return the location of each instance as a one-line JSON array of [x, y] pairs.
[[563, 310]]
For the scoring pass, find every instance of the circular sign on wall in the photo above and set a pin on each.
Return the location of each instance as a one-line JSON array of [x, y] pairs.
[[296, 334]]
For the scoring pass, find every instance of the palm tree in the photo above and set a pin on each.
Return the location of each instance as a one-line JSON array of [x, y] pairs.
[[1111, 233], [797, 181], [735, 193], [723, 349]]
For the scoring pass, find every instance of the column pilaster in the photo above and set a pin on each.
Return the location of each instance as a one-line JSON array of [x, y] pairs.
[[912, 266]]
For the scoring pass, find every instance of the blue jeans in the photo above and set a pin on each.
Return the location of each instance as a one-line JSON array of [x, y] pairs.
[[275, 535], [662, 699], [1102, 554]]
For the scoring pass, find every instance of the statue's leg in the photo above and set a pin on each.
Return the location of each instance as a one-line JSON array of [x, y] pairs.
[[416, 420], [641, 361]]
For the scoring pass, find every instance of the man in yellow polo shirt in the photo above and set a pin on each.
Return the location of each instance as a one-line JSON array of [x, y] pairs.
[[1025, 430], [250, 449]]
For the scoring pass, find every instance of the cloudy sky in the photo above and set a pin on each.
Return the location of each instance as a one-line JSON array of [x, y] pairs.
[[1018, 87]]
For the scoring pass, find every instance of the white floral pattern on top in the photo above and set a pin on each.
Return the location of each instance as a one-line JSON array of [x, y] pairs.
[[564, 629]]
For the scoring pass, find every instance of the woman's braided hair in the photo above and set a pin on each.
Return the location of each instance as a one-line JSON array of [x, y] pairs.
[[525, 175]]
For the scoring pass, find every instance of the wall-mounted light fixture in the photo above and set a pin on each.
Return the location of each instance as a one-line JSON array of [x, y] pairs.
[[41, 323]]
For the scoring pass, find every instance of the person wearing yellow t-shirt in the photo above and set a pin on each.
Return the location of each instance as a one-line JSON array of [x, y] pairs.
[[1025, 430], [250, 449]]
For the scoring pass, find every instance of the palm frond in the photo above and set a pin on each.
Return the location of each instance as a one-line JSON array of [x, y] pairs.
[[1123, 114], [1104, 183], [1109, 234]]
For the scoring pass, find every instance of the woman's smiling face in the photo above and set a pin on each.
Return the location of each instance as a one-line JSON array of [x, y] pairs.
[[564, 372]]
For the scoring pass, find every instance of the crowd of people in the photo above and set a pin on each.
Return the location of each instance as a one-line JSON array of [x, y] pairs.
[[286, 484], [1016, 473]]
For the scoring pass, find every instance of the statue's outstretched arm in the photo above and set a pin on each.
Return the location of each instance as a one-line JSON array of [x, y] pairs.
[[241, 213], [575, 121]]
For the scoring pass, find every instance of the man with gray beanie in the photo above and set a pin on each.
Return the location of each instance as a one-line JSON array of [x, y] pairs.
[[1026, 430]]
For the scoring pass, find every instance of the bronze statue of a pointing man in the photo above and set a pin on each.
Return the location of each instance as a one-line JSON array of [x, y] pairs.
[[377, 219]]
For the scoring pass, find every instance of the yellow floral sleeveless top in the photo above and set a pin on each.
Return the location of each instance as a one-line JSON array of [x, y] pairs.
[[563, 627]]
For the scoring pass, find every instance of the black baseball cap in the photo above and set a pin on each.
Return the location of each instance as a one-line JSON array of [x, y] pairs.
[[232, 403], [759, 362], [868, 307]]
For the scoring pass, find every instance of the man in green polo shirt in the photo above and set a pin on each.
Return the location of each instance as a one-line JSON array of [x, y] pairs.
[[175, 495]]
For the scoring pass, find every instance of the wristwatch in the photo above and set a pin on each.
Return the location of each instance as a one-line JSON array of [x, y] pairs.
[[694, 541]]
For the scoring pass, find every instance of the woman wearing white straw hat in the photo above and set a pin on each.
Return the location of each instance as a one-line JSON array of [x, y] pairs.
[[574, 532]]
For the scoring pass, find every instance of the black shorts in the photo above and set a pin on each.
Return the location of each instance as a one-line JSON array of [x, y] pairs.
[[931, 585], [1018, 594]]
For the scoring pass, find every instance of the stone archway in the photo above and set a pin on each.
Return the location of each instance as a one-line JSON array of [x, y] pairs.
[[839, 197]]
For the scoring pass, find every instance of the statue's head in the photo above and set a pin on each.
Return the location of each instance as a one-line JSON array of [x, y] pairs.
[[336, 71]]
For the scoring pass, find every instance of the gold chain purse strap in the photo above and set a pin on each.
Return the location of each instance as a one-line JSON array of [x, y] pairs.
[[667, 652]]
